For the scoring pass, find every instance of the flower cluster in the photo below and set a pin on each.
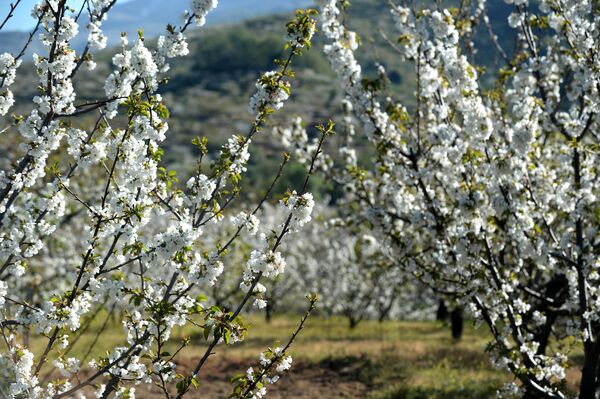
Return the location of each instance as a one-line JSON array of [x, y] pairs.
[[8, 72], [300, 207], [301, 29], [201, 188], [201, 8], [271, 93], [235, 153], [250, 222]]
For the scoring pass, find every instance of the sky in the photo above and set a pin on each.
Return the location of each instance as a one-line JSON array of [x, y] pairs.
[[22, 19]]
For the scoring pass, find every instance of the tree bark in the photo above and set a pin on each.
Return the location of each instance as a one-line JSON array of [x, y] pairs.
[[456, 319], [269, 311], [588, 386], [442, 311]]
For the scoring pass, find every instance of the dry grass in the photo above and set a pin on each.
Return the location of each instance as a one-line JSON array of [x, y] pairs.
[[390, 360], [375, 360]]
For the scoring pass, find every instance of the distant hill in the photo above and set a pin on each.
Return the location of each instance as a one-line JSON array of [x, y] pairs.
[[154, 15], [13, 42], [208, 91]]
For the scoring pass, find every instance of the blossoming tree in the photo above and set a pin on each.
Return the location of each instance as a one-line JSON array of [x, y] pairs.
[[357, 275], [89, 218], [487, 192]]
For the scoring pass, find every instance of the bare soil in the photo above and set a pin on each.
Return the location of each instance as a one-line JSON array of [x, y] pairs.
[[304, 381]]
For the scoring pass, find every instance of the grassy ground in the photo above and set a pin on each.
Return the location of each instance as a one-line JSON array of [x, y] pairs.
[[389, 360]]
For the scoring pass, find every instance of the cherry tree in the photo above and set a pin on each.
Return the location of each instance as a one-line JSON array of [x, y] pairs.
[[487, 192], [91, 220], [355, 275]]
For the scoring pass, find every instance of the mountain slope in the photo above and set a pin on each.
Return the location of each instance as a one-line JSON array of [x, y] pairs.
[[153, 15], [208, 91]]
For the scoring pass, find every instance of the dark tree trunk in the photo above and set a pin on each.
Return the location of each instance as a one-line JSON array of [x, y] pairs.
[[269, 311], [531, 395], [442, 312], [589, 385], [456, 319]]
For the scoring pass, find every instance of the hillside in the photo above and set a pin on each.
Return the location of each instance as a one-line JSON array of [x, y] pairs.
[[208, 91]]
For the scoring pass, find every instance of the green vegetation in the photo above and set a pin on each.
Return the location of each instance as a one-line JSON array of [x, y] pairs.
[[241, 50]]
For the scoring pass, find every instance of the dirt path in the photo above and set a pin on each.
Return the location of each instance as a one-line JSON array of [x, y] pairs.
[[305, 381]]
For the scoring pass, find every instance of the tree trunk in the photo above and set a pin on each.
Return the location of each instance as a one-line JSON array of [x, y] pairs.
[[456, 318], [531, 395], [442, 312], [269, 311], [588, 386]]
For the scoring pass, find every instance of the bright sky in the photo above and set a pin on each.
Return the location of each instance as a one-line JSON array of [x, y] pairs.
[[22, 19]]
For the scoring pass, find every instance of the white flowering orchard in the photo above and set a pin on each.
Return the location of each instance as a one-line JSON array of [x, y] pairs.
[[485, 191], [356, 276], [89, 220]]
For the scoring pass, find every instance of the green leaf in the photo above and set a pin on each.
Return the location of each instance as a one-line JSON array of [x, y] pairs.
[[194, 382]]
